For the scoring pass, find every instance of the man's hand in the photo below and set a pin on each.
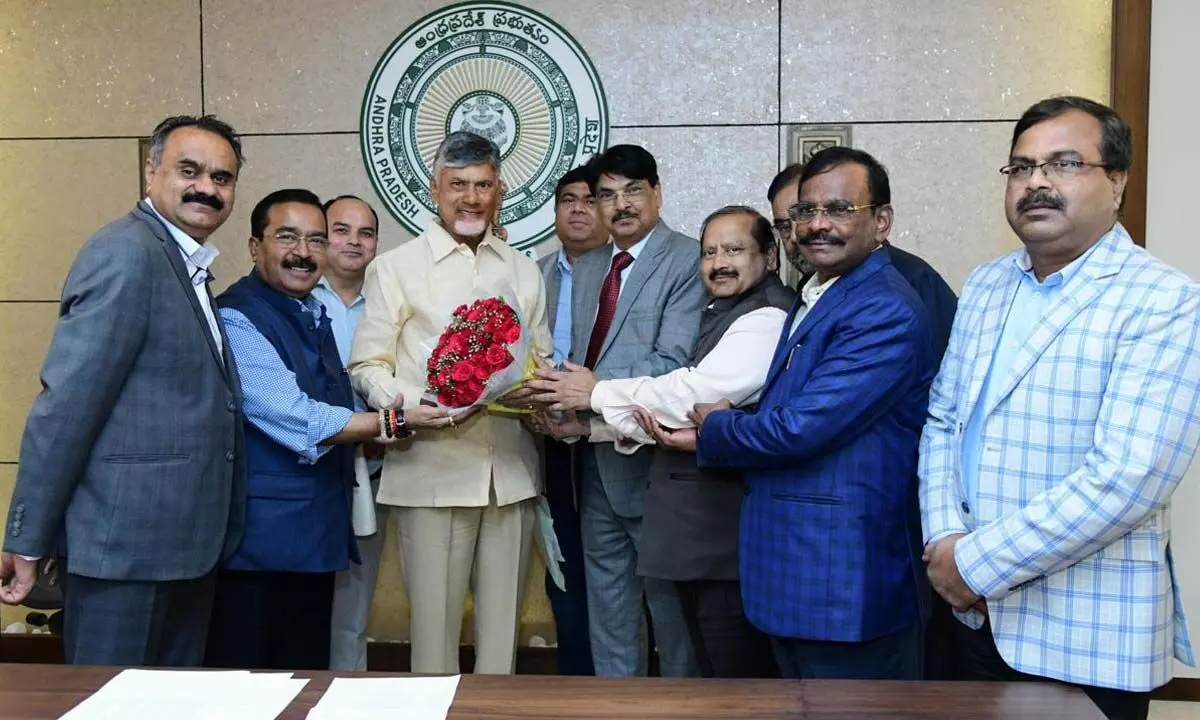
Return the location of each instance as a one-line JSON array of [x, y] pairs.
[[701, 411], [682, 440], [944, 575], [563, 390], [18, 576], [568, 426]]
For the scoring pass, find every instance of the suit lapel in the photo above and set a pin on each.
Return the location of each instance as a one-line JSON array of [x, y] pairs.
[[175, 258], [982, 349], [587, 275], [643, 268], [1079, 292], [832, 299], [552, 278]]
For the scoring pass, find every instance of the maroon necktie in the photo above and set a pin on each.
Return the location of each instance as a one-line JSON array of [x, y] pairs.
[[609, 292]]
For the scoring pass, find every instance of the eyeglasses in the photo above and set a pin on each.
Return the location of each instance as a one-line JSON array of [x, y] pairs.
[[782, 230], [836, 212], [572, 201], [1050, 168], [633, 194], [289, 240]]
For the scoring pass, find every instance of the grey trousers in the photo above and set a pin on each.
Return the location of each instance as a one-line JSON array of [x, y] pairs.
[[616, 593]]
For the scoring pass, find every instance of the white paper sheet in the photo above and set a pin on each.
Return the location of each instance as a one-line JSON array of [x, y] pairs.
[[411, 698], [190, 695]]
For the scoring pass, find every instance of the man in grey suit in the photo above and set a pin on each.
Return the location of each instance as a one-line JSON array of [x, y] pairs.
[[131, 465], [636, 312], [580, 231]]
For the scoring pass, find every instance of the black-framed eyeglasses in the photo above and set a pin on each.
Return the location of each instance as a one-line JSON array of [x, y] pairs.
[[1051, 168], [633, 193], [286, 239], [836, 212]]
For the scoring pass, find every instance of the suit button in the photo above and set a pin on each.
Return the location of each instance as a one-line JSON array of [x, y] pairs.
[[15, 532], [229, 456], [965, 507], [230, 406]]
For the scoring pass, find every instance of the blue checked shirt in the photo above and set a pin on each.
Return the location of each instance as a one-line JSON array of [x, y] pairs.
[[272, 401], [1085, 436], [344, 320]]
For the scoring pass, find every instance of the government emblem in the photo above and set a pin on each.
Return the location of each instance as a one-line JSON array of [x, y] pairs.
[[496, 69]]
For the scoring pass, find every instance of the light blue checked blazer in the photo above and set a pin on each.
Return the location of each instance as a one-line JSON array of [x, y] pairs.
[[1090, 433]]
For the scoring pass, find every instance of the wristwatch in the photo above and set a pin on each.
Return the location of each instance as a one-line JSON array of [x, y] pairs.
[[402, 430]]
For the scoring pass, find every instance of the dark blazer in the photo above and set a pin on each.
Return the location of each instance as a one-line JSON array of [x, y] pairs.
[[830, 533], [653, 332], [939, 300], [134, 445]]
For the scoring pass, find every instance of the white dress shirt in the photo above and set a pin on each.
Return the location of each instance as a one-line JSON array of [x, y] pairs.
[[810, 294], [635, 250], [197, 258], [735, 370]]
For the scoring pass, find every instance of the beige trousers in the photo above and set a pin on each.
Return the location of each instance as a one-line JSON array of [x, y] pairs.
[[442, 551]]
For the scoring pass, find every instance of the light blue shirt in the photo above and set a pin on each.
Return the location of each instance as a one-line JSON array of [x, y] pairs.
[[562, 318], [344, 320], [1029, 305], [271, 399]]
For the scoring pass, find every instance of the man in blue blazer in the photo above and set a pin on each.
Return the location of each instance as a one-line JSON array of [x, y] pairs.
[[830, 534]]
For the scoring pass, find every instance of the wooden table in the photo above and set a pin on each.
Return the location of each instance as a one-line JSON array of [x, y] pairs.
[[38, 692]]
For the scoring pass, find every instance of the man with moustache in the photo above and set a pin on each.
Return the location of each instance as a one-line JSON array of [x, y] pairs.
[[463, 495], [353, 228], [131, 461], [830, 531], [274, 596], [940, 302], [579, 231], [636, 311], [690, 528], [1064, 417], [937, 297], [781, 194]]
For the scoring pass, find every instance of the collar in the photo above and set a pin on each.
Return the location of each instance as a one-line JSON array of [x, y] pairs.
[[764, 283], [200, 256], [442, 244], [812, 292], [1063, 276], [637, 248], [564, 265], [323, 284]]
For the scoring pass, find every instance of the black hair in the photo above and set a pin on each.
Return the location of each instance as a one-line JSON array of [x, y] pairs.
[[878, 186], [258, 216]]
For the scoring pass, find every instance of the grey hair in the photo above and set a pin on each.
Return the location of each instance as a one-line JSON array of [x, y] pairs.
[[464, 149], [206, 122]]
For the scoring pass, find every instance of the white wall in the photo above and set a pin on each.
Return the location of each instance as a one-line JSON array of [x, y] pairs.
[[1174, 159]]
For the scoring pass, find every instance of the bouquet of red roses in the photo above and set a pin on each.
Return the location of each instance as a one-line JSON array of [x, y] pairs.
[[482, 354]]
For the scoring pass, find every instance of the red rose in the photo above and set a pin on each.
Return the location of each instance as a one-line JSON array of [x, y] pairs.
[[475, 314], [510, 334], [494, 324], [462, 371], [497, 356], [482, 372], [472, 391], [458, 344]]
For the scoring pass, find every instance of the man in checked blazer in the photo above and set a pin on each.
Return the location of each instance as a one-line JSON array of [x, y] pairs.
[[830, 555], [1063, 418], [131, 462], [635, 311]]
